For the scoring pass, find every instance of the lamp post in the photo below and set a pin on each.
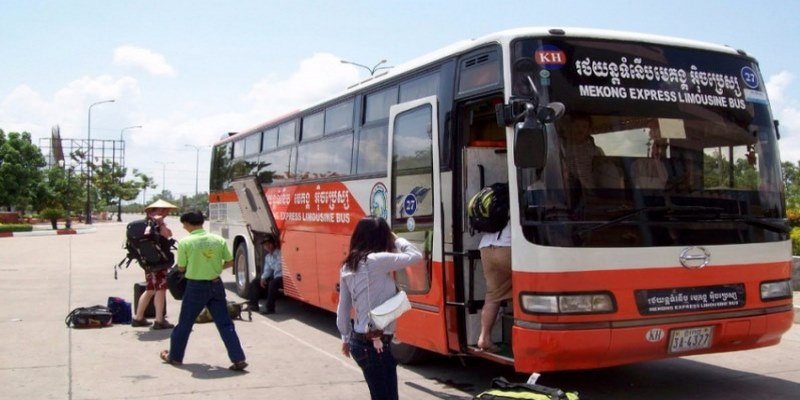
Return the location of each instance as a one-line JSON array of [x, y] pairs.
[[89, 160], [122, 157], [372, 70], [163, 174], [196, 166]]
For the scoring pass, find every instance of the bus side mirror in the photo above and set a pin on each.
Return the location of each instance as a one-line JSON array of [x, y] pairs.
[[530, 145]]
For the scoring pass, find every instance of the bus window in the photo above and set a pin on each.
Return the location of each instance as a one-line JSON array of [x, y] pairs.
[[339, 117], [479, 72], [312, 126], [270, 140], [252, 144], [325, 158], [372, 150], [419, 88], [413, 162], [286, 133], [238, 148], [277, 166], [378, 104]]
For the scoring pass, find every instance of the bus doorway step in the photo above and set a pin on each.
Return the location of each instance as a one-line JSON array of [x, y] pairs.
[[504, 356]]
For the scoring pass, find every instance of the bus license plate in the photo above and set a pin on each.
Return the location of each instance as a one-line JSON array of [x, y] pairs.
[[681, 340]]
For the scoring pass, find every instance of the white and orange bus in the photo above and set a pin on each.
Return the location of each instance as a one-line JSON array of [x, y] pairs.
[[667, 238]]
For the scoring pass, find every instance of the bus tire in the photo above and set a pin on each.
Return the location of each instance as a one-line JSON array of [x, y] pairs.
[[241, 270], [407, 354]]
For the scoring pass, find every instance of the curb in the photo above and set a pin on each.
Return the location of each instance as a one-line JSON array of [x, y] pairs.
[[49, 232]]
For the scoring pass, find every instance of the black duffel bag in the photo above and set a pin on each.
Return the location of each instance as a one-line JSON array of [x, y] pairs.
[[89, 317], [176, 282]]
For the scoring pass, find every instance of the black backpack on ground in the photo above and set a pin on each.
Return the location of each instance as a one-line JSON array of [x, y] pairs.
[[488, 209], [152, 251]]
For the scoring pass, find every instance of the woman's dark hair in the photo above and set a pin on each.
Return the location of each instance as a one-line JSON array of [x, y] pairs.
[[372, 235]]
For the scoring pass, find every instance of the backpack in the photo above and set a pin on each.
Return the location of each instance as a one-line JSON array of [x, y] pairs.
[[120, 310], [235, 311], [488, 209], [503, 389], [152, 251]]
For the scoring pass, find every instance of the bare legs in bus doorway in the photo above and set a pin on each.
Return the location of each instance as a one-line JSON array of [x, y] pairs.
[[496, 259]]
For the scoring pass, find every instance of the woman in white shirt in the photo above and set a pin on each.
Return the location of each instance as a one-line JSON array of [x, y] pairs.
[[365, 282]]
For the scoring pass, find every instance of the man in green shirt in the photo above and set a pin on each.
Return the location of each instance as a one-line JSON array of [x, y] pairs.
[[203, 256]]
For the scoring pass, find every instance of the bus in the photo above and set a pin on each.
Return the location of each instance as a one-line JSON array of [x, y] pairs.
[[662, 234]]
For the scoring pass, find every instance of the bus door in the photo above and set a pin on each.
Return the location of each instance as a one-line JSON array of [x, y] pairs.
[[483, 162], [415, 207], [257, 216]]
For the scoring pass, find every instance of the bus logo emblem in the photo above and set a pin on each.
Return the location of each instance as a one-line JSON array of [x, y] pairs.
[[694, 257], [654, 335], [550, 57]]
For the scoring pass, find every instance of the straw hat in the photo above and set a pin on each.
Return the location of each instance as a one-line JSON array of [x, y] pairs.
[[160, 204]]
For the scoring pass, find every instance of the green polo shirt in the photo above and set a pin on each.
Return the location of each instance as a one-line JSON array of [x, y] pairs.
[[202, 254]]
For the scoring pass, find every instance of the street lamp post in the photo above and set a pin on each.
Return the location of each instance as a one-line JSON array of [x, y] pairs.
[[196, 166], [372, 70], [89, 160], [122, 157], [163, 175]]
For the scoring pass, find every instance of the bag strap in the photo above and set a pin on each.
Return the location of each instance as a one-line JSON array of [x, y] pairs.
[[503, 383], [68, 319]]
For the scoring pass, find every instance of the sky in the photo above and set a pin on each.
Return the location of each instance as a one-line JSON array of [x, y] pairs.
[[188, 72]]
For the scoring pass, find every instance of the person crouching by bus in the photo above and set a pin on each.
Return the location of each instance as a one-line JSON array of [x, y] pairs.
[[270, 280], [156, 288], [496, 259], [203, 256], [365, 282]]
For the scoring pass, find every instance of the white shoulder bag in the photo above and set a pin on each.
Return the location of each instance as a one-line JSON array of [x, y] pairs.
[[389, 310]]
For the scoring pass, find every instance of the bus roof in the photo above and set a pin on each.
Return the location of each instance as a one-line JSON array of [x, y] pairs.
[[502, 37]]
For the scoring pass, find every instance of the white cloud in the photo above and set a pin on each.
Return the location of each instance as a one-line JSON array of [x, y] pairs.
[[25, 109], [318, 77], [787, 111], [151, 62]]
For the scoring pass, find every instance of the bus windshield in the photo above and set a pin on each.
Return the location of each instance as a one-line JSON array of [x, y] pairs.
[[659, 146]]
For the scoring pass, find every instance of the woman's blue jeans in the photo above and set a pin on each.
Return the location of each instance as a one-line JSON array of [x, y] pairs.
[[380, 370], [198, 295]]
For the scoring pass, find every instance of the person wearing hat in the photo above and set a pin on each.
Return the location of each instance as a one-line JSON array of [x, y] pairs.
[[156, 280]]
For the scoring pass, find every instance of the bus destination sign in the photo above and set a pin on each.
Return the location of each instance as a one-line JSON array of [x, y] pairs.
[[661, 301]]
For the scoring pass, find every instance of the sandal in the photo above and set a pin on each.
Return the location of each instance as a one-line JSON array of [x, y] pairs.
[[491, 348], [238, 366], [165, 357]]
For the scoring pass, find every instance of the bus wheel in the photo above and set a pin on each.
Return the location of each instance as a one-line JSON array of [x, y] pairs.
[[407, 354], [242, 273]]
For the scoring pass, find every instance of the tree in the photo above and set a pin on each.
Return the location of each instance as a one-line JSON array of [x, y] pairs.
[[791, 180], [107, 178], [145, 182], [20, 169]]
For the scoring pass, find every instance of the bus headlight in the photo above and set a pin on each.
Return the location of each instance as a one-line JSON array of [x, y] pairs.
[[574, 303], [776, 290]]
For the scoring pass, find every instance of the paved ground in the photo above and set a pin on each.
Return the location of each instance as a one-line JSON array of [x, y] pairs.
[[43, 278]]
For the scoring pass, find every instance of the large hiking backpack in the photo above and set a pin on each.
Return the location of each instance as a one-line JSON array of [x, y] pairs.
[[502, 389], [488, 209], [151, 250]]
